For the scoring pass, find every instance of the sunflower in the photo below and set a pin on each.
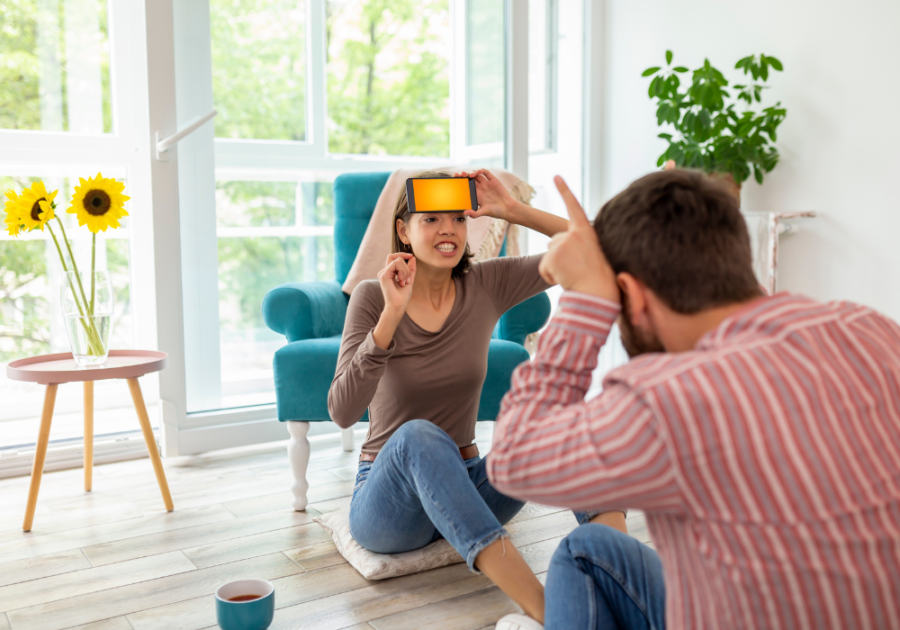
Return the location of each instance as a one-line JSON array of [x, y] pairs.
[[99, 203], [12, 220], [30, 210]]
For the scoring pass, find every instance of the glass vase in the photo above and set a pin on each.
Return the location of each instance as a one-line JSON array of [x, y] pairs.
[[87, 306]]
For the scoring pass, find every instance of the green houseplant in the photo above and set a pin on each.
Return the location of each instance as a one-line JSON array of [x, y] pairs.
[[712, 128]]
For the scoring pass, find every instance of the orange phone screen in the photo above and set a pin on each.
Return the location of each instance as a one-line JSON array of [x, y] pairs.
[[435, 195]]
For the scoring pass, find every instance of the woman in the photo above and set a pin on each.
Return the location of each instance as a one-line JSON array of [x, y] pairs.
[[414, 353]]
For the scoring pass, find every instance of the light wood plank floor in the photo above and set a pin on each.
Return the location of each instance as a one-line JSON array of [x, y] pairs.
[[113, 559]]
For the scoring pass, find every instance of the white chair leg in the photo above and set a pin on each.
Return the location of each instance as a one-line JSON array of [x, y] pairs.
[[347, 440], [298, 455]]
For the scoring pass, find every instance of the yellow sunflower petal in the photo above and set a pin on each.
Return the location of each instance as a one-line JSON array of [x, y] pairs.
[[97, 202]]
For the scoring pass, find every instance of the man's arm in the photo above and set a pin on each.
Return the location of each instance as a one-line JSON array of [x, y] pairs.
[[552, 447]]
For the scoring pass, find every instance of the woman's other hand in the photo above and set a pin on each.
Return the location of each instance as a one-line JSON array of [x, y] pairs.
[[396, 280], [493, 198]]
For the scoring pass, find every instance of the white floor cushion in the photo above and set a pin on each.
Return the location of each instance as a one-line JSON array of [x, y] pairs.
[[380, 566]]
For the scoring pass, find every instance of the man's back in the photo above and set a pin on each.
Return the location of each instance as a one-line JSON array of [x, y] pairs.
[[783, 432]]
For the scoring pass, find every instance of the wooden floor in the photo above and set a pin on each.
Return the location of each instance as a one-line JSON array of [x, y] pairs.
[[114, 559]]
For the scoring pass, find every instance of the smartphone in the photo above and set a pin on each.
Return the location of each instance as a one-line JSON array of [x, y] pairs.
[[441, 194]]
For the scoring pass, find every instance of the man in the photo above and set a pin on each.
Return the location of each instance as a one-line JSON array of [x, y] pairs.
[[761, 435]]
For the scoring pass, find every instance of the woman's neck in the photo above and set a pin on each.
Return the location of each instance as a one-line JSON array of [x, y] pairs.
[[433, 286]]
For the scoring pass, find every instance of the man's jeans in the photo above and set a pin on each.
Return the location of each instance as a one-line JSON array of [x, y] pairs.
[[419, 489], [602, 578]]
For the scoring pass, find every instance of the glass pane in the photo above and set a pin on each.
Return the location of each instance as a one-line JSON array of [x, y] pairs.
[[388, 77], [540, 74], [269, 233], [31, 321], [259, 68], [54, 66], [485, 81]]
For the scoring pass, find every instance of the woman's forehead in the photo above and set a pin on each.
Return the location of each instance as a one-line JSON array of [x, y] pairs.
[[438, 215]]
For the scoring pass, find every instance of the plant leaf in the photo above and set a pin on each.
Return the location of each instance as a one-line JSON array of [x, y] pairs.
[[668, 56], [650, 71], [680, 69], [775, 63]]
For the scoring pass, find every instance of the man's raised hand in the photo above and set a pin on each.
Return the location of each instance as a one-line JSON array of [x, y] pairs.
[[574, 259]]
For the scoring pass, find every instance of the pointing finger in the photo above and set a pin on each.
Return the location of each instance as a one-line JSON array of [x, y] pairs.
[[576, 212]]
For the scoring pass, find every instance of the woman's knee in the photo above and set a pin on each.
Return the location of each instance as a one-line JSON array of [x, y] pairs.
[[419, 433]]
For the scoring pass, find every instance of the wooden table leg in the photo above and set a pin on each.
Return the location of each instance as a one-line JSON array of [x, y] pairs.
[[88, 434], [144, 419], [40, 454]]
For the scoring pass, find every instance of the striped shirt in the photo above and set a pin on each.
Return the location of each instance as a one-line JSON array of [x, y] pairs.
[[767, 459]]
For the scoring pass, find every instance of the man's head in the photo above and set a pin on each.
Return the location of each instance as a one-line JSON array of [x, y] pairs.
[[679, 247]]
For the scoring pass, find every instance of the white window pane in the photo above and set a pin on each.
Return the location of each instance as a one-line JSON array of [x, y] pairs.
[[261, 245], [541, 73], [259, 68], [31, 321], [388, 77], [485, 75], [54, 66]]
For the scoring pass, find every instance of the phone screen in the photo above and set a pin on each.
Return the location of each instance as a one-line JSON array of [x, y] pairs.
[[443, 194]]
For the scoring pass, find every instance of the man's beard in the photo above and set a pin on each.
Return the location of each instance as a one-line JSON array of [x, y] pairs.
[[636, 342]]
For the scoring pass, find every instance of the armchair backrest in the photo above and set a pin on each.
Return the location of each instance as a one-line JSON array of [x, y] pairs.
[[355, 196]]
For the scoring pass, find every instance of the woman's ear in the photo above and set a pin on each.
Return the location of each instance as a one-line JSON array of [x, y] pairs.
[[403, 232]]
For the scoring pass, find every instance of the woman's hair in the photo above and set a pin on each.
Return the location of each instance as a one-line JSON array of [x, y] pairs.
[[402, 212]]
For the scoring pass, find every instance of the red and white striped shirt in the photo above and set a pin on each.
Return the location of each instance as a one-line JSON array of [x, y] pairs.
[[767, 459]]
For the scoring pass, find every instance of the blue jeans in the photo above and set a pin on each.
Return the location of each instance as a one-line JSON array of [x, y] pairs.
[[602, 578], [419, 489]]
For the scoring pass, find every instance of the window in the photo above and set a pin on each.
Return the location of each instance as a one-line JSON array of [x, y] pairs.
[[70, 107], [259, 68], [485, 74], [54, 66], [269, 233], [543, 35], [30, 319], [388, 77], [385, 69]]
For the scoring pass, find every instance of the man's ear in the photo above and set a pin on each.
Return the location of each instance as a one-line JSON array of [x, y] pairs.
[[402, 232], [635, 293]]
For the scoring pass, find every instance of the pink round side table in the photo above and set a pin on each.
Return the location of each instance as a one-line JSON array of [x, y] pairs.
[[53, 370]]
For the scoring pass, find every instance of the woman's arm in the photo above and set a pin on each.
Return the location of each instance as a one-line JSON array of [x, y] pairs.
[[494, 200], [367, 342]]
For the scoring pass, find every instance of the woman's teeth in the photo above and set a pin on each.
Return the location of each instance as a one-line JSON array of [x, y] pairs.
[[446, 247]]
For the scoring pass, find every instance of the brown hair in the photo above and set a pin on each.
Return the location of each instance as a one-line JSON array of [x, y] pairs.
[[402, 212], [681, 234]]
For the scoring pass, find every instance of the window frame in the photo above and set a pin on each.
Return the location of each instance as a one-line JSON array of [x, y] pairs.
[[125, 148], [196, 351]]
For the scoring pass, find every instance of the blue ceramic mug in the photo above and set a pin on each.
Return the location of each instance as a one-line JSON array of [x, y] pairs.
[[245, 605]]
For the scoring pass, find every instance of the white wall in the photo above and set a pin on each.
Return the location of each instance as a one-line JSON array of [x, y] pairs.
[[840, 143]]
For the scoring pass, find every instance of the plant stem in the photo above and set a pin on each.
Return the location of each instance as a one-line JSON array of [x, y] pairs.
[[93, 330], [93, 260], [62, 260]]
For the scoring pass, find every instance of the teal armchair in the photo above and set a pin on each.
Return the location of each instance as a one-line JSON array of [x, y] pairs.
[[311, 316]]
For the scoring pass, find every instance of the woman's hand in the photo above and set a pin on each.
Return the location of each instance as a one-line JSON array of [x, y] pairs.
[[493, 198], [396, 280]]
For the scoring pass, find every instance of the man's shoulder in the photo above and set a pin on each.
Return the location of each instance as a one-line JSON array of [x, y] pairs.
[[760, 339]]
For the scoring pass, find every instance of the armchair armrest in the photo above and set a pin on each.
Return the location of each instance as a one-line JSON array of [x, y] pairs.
[[523, 319], [306, 310]]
